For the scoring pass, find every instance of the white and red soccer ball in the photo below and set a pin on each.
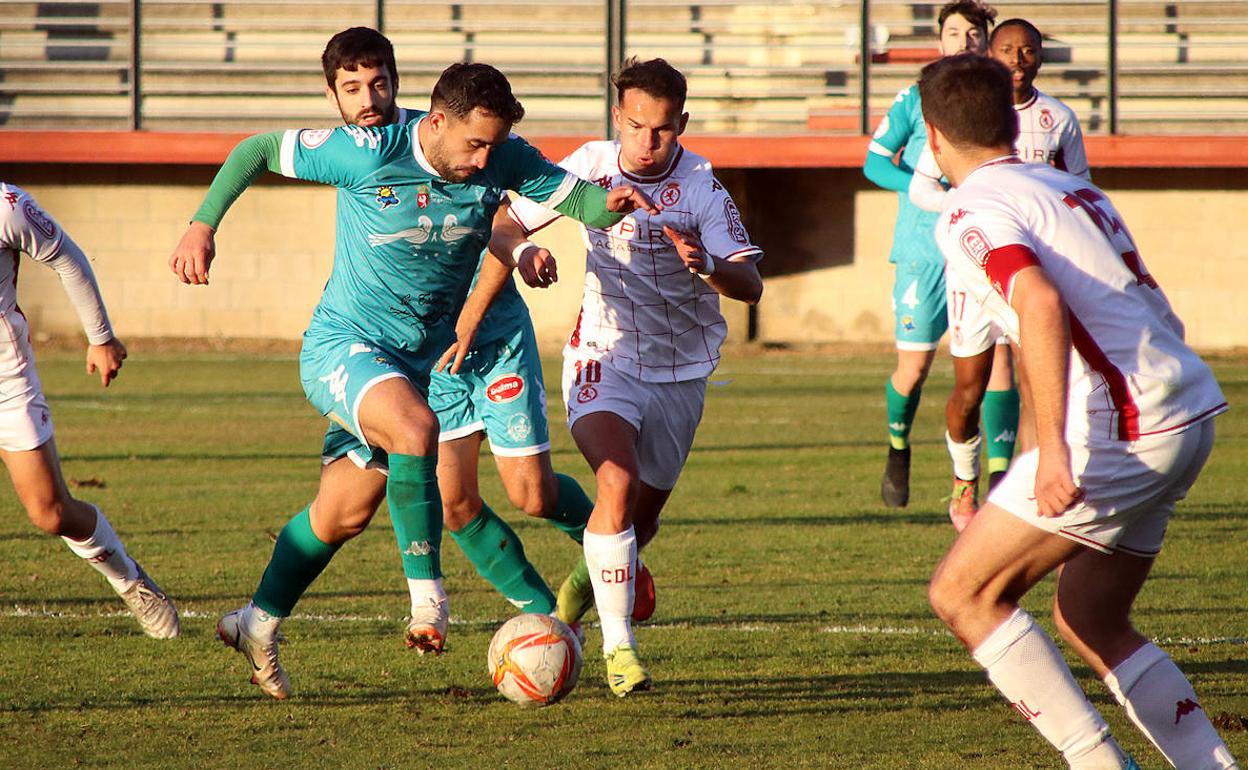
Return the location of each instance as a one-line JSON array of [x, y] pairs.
[[534, 659]]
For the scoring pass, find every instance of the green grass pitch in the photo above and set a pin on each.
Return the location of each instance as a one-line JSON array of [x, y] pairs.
[[792, 628]]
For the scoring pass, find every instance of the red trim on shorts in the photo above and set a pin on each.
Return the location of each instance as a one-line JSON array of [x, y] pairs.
[[1119, 393], [1004, 263], [1084, 540], [575, 339], [1134, 552], [1198, 418]]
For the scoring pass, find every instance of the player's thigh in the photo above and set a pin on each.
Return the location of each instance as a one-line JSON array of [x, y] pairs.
[[605, 409], [919, 305], [37, 479], [970, 375], [1002, 376], [669, 424]]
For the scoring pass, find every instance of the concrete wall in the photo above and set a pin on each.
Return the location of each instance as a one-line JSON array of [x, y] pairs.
[[827, 233]]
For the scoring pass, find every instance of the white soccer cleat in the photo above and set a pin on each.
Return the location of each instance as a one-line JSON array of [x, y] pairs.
[[151, 607], [426, 631], [259, 647]]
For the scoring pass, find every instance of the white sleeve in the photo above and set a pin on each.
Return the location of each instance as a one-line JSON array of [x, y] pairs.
[[719, 224], [534, 216], [926, 191], [27, 228]]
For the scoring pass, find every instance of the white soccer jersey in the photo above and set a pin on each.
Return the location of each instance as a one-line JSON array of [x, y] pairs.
[[24, 227], [642, 309], [1048, 132], [1131, 374]]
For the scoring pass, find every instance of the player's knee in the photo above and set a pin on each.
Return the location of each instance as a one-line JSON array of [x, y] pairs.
[[948, 598], [411, 432], [617, 485], [48, 514], [459, 509], [537, 497]]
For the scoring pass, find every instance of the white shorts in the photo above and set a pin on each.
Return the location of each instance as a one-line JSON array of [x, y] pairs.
[[25, 421], [665, 414], [972, 329], [1130, 488]]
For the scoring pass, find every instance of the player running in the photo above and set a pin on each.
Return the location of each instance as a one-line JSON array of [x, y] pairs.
[[648, 335], [1123, 422], [26, 443], [1048, 133], [919, 303], [416, 203]]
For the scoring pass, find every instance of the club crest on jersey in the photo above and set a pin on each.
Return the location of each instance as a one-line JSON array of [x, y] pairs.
[[386, 197], [975, 245], [422, 196], [41, 221], [732, 217], [315, 137], [1046, 119], [505, 389], [670, 195]]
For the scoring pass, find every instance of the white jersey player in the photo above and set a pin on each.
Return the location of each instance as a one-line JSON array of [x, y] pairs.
[[26, 443], [648, 335], [1123, 421]]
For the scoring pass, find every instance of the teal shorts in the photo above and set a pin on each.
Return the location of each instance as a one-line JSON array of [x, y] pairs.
[[919, 304], [337, 369], [498, 391]]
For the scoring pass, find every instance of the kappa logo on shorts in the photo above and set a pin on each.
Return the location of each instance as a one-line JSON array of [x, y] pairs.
[[587, 394], [975, 244], [505, 389], [41, 221], [670, 195], [519, 427], [315, 137]]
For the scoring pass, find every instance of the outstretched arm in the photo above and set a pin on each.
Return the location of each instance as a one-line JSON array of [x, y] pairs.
[[495, 269], [735, 279]]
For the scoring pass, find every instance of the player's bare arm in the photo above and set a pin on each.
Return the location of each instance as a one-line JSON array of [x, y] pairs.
[[535, 264], [194, 253], [106, 359], [735, 280], [1045, 332], [491, 279]]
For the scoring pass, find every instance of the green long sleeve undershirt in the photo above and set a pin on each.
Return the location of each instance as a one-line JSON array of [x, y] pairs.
[[585, 203]]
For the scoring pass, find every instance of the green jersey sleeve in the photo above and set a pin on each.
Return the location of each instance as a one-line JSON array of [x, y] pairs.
[[519, 166], [343, 156], [246, 161]]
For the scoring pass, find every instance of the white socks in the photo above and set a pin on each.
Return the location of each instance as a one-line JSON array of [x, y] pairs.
[[965, 456], [1025, 665], [1161, 703], [610, 559], [425, 592], [105, 552]]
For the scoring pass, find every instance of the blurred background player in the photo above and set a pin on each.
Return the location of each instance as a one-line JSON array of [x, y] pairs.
[[1048, 133], [919, 283], [416, 203], [1123, 413], [26, 442], [648, 335]]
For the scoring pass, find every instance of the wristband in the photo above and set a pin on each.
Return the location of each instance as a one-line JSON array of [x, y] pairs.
[[516, 252], [709, 266]]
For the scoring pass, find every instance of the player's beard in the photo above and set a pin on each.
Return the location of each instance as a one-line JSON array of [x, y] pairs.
[[444, 167], [371, 117]]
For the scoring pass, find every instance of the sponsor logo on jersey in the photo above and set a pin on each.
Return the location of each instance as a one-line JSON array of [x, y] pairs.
[[386, 197], [519, 427], [1046, 119], [975, 245], [314, 137], [11, 199], [505, 389], [41, 221], [422, 196], [670, 195], [587, 394], [732, 217], [957, 215], [1183, 708], [907, 323]]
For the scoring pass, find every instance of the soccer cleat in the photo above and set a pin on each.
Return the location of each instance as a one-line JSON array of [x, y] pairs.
[[576, 595], [260, 650], [426, 631], [643, 595], [964, 502], [895, 486], [625, 674], [151, 607]]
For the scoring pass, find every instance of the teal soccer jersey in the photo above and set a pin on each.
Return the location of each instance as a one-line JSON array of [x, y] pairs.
[[902, 130]]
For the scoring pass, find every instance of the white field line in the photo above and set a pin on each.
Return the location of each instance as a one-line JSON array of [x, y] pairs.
[[18, 611]]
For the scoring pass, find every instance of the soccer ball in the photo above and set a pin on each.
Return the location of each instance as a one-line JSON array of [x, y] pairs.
[[534, 660]]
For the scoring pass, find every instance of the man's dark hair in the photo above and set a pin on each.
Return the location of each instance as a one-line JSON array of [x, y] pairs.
[[976, 13], [970, 98], [465, 87], [1031, 28], [358, 47], [654, 77]]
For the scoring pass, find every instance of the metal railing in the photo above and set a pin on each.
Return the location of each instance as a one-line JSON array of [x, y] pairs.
[[761, 67]]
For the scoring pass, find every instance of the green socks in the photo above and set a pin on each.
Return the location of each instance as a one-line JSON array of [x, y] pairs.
[[1000, 415], [573, 509], [496, 552], [298, 558], [901, 411], [416, 513]]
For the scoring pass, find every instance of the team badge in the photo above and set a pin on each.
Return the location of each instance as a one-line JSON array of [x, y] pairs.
[[975, 244], [587, 394], [422, 196], [505, 389], [315, 137], [1046, 119], [907, 323], [732, 218], [670, 195], [386, 197], [519, 427], [41, 221]]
